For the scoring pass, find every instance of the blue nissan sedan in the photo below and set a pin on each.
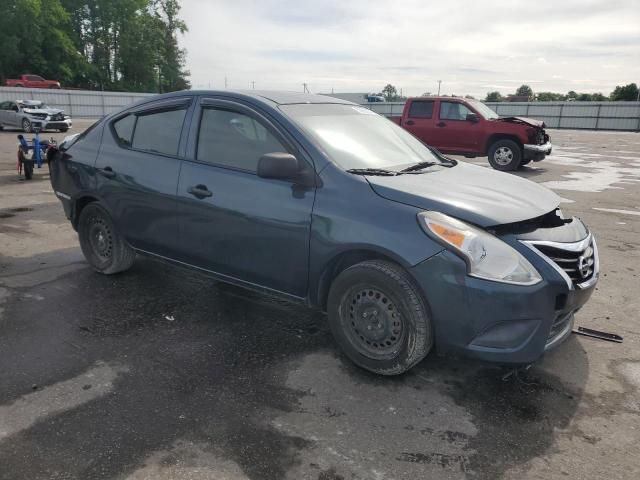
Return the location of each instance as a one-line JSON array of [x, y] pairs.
[[322, 201]]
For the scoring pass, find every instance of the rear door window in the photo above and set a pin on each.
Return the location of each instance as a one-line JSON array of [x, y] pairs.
[[234, 139], [159, 132], [421, 109]]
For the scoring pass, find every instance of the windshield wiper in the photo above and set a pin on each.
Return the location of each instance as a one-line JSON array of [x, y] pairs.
[[419, 166], [372, 171]]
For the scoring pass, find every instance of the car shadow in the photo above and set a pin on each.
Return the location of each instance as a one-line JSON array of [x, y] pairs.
[[209, 363]]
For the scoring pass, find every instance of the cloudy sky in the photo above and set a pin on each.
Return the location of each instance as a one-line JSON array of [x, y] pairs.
[[360, 46]]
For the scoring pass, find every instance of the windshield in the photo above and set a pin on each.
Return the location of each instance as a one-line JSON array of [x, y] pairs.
[[483, 110], [354, 137], [37, 106]]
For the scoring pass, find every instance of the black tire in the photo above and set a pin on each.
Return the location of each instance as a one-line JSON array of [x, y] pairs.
[[102, 245], [28, 170], [525, 162], [505, 155], [63, 130], [26, 126], [378, 317]]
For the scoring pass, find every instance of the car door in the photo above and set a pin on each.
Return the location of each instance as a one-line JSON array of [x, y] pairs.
[[4, 108], [13, 115], [454, 133], [420, 121], [137, 172], [233, 222]]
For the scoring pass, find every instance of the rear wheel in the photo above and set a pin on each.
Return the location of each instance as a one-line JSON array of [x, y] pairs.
[[505, 155], [26, 126], [378, 317], [102, 245]]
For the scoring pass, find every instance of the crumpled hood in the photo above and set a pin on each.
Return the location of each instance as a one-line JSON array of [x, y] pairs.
[[48, 111], [471, 193], [527, 121]]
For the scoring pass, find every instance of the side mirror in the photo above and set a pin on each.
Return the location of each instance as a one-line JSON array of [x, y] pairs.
[[278, 165], [473, 118]]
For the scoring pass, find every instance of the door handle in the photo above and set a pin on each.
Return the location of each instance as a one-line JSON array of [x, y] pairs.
[[441, 124], [409, 122], [107, 172], [200, 191]]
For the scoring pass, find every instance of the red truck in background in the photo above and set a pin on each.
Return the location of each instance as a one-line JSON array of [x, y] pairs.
[[31, 81], [460, 126]]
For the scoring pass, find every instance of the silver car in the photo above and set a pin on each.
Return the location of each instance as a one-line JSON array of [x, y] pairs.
[[23, 114]]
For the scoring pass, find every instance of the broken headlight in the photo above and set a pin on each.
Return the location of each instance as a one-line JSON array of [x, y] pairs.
[[487, 256]]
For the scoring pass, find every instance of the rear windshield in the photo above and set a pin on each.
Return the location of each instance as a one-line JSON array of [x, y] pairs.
[[355, 137]]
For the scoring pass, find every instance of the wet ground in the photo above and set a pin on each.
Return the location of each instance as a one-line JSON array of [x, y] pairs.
[[161, 373]]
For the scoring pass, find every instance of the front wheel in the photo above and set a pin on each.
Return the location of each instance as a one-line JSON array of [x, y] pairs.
[[63, 130], [379, 318], [505, 155], [26, 126], [102, 245]]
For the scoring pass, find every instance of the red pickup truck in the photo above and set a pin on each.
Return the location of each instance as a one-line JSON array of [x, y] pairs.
[[459, 126], [31, 81]]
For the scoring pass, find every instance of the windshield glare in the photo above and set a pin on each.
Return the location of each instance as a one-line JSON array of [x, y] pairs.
[[356, 137], [483, 110]]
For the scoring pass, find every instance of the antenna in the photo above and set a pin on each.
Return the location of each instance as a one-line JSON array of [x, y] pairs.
[[439, 82]]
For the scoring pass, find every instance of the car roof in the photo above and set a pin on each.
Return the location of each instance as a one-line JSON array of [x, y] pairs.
[[269, 96], [29, 102]]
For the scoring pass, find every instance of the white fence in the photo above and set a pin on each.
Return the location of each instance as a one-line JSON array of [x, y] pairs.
[[77, 103], [573, 115], [623, 116]]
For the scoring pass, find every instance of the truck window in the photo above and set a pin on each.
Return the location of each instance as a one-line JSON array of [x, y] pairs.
[[421, 109], [234, 139], [453, 111]]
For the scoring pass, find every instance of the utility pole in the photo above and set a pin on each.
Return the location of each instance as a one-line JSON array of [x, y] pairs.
[[439, 82], [305, 89], [253, 84], [225, 81]]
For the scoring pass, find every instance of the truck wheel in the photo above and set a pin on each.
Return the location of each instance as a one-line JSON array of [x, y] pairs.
[[102, 245], [379, 318], [26, 126], [505, 155], [63, 130], [19, 85]]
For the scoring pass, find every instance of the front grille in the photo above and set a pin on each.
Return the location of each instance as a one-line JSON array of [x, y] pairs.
[[578, 262]]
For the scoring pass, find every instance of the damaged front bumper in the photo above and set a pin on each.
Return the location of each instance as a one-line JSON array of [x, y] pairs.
[[537, 152]]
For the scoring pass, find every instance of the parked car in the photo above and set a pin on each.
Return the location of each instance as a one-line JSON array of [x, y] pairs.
[[24, 113], [323, 201], [31, 81], [460, 126]]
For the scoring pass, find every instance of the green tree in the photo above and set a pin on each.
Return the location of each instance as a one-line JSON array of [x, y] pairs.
[[598, 97], [572, 95], [390, 93], [524, 91], [493, 97], [550, 97], [627, 92]]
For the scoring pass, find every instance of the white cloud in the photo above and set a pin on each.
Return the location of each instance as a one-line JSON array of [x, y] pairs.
[[363, 45]]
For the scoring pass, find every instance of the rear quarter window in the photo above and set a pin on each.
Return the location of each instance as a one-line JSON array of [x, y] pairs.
[[124, 129]]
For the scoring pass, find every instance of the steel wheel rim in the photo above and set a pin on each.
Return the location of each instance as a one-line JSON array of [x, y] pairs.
[[372, 322], [503, 156], [101, 239], [26, 126]]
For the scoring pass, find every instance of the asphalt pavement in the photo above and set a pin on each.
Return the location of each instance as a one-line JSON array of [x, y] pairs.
[[162, 373]]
